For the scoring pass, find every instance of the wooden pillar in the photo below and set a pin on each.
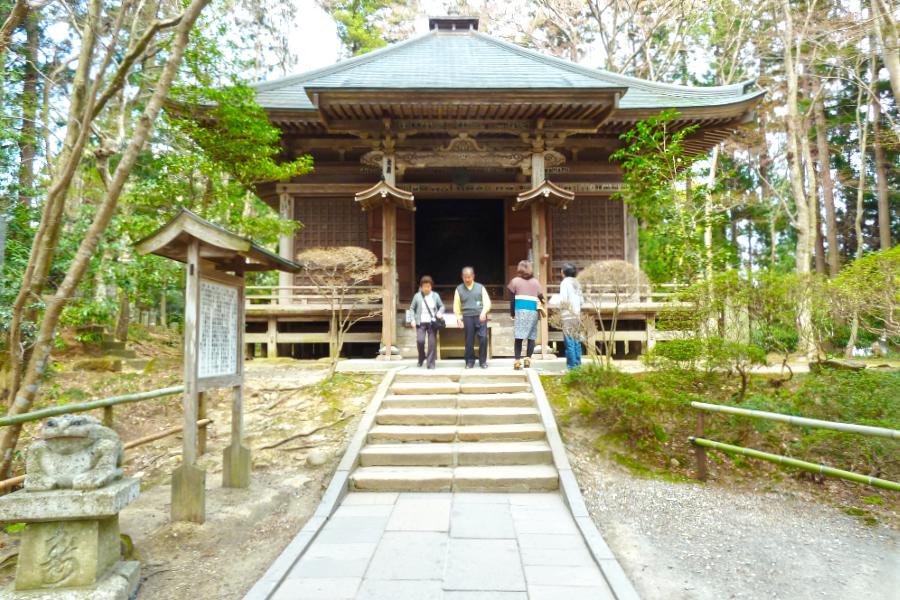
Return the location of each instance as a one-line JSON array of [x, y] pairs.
[[651, 332], [188, 480], [285, 249], [389, 262], [202, 405], [236, 457], [632, 255], [272, 338], [389, 277], [539, 247]]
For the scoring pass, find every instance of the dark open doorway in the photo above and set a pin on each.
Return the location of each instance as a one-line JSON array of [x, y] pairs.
[[453, 233]]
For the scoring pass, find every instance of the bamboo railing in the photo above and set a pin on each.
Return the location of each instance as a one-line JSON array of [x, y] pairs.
[[701, 443], [107, 405]]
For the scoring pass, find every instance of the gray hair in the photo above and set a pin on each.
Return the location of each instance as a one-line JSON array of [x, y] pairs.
[[469, 269]]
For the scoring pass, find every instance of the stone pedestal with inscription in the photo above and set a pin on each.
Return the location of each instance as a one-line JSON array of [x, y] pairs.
[[70, 547]]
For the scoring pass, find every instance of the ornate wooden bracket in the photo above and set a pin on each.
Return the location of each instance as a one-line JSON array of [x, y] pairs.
[[547, 193], [384, 193]]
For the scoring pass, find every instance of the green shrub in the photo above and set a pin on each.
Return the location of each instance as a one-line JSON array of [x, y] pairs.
[[682, 354], [87, 313]]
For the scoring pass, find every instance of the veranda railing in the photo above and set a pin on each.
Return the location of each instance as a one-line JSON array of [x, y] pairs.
[[107, 405], [701, 443], [312, 295]]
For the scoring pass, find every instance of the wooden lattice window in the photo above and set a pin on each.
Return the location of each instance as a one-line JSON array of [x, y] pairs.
[[590, 229], [329, 222]]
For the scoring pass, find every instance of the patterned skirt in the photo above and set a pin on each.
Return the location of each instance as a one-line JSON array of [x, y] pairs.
[[525, 326]]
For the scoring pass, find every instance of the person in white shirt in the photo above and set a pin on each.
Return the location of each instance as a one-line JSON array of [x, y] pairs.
[[426, 310], [570, 301]]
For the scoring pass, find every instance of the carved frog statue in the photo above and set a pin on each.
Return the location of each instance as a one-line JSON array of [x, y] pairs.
[[73, 451]]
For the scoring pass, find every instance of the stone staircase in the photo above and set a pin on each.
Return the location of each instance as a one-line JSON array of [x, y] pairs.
[[457, 430]]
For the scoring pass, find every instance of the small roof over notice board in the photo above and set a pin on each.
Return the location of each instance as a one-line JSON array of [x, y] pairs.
[[227, 250]]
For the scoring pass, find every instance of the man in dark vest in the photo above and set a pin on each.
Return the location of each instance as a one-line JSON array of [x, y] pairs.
[[472, 305]]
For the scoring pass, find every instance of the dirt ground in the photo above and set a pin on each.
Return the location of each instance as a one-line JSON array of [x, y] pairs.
[[245, 529], [751, 538]]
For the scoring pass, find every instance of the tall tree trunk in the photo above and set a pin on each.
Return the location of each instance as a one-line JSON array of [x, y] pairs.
[[43, 246], [707, 212], [123, 316], [25, 394], [889, 39], [18, 13], [28, 132], [863, 130], [803, 221], [826, 183], [881, 165]]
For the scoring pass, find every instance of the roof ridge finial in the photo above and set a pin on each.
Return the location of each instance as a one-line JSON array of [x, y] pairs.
[[453, 23]]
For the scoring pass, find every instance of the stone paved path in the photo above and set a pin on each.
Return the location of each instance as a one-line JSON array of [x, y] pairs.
[[447, 546]]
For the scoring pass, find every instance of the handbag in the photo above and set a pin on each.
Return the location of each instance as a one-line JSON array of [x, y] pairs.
[[439, 322]]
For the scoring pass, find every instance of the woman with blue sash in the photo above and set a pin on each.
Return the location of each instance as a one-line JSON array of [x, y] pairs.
[[527, 297]]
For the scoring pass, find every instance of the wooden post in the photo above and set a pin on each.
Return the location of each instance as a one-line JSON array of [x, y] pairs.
[[389, 262], [272, 338], [202, 399], [632, 254], [188, 480], [236, 457], [388, 278], [700, 451], [285, 249], [108, 418], [539, 248]]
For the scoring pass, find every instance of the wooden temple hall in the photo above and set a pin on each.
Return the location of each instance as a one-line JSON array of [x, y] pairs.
[[456, 148]]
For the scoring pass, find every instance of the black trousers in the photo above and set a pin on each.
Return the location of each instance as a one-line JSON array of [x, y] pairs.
[[427, 331], [474, 327], [518, 348]]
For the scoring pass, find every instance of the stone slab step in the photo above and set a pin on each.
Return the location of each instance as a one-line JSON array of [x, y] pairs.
[[417, 416], [392, 479], [513, 478], [433, 454], [420, 400], [524, 399], [411, 433], [497, 415], [421, 374], [425, 387], [491, 433], [491, 376], [440, 454], [503, 453], [505, 387]]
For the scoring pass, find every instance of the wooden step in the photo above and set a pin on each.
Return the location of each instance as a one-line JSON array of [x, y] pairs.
[[417, 416], [492, 433], [503, 453], [523, 399], [420, 401], [411, 433], [514, 478], [497, 415], [425, 387], [432, 455]]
